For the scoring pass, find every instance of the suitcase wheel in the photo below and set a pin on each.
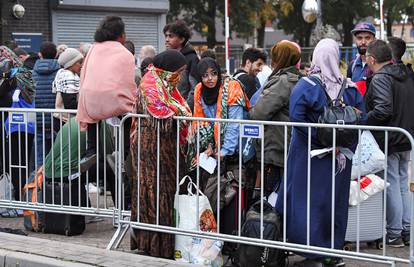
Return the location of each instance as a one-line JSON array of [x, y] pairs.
[[379, 244], [347, 246]]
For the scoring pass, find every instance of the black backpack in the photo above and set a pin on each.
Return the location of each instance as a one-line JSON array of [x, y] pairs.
[[272, 225], [337, 112]]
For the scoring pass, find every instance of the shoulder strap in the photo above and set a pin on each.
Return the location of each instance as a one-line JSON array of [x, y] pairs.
[[341, 93]]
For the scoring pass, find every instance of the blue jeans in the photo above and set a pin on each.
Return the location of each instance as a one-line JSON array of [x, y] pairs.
[[398, 195]]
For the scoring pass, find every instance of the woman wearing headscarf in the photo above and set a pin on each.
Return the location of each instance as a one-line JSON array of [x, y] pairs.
[[273, 105], [159, 98], [219, 97], [307, 103], [22, 95]]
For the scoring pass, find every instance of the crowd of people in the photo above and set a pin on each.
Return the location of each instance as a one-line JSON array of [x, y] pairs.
[[103, 80]]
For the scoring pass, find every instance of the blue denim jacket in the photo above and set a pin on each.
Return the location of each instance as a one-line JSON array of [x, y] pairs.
[[231, 136]]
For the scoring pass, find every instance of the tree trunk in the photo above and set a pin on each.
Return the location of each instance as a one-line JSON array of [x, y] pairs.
[[211, 34], [389, 23], [347, 28], [261, 35]]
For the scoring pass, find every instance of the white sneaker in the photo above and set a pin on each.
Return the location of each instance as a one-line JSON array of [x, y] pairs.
[[92, 188]]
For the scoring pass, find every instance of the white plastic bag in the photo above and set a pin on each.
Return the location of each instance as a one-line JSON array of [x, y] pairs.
[[369, 185], [6, 187], [372, 157], [192, 249]]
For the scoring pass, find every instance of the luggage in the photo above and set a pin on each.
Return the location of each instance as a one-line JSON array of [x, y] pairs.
[[371, 226], [272, 230], [64, 224], [33, 220]]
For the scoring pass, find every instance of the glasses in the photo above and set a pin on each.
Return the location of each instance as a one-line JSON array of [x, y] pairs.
[[369, 55], [206, 75]]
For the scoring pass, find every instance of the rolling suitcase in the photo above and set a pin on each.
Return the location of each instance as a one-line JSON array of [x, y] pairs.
[[64, 224], [371, 226]]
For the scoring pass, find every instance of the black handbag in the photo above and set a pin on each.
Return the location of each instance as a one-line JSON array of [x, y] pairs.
[[337, 112]]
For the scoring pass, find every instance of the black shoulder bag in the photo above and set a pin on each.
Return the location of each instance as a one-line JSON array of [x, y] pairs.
[[337, 112]]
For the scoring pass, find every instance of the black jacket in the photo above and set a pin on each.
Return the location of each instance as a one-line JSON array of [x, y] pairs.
[[190, 77], [250, 83], [390, 102]]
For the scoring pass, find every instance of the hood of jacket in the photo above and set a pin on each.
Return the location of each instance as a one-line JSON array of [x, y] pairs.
[[46, 66], [188, 49], [293, 74], [397, 71]]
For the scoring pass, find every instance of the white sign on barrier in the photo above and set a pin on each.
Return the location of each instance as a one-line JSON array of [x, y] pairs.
[[252, 131]]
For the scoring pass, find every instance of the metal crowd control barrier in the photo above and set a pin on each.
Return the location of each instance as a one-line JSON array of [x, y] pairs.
[[254, 129], [36, 130]]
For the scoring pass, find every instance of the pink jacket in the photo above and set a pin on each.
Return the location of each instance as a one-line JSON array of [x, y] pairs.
[[107, 86]]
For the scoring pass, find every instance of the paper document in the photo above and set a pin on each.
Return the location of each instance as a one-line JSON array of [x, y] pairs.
[[208, 163], [320, 152]]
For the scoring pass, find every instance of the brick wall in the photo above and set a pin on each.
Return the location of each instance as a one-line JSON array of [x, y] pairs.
[[37, 18]]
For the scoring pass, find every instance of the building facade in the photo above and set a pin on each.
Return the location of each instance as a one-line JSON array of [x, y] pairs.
[[72, 22]]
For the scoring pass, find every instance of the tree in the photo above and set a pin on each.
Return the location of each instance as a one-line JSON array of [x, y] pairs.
[[343, 14], [201, 15], [394, 12], [289, 18]]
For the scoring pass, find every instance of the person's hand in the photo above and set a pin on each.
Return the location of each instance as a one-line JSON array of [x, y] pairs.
[[221, 156], [209, 151]]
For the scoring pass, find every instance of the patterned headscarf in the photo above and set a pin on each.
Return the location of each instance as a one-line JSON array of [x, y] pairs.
[[325, 63], [23, 75], [6, 52]]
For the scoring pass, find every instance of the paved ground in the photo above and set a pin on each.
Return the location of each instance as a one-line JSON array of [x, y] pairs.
[[98, 234]]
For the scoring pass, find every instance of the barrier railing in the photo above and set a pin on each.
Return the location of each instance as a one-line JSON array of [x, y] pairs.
[[50, 138], [255, 129]]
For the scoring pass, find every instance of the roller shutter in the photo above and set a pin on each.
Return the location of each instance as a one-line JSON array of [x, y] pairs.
[[72, 27]]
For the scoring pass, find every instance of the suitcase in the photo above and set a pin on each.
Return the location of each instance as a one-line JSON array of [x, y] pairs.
[[371, 226], [64, 224]]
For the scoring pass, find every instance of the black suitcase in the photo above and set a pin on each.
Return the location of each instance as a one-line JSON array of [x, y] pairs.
[[64, 224]]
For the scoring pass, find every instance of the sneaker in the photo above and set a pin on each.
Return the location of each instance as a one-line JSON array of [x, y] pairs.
[[93, 189], [406, 238], [334, 262], [87, 162], [395, 242]]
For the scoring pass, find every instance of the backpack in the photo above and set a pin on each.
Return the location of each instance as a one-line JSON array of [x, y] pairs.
[[272, 225], [337, 112], [33, 220]]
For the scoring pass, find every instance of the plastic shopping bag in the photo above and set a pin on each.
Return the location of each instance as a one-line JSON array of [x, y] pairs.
[[6, 187], [372, 158], [193, 249], [369, 185]]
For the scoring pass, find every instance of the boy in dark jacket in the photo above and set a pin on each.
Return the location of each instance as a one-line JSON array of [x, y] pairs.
[[44, 72], [389, 101]]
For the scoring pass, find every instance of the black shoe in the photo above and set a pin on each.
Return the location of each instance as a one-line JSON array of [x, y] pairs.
[[395, 242], [334, 262], [309, 263], [406, 238], [87, 162]]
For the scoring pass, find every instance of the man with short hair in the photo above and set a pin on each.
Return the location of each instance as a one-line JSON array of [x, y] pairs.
[[398, 47], [253, 60], [358, 71], [177, 36], [389, 101], [44, 72]]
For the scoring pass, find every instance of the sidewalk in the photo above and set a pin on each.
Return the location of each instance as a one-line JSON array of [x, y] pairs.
[[22, 251]]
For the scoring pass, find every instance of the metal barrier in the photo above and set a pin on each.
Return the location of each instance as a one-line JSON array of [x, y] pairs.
[[254, 129], [34, 131]]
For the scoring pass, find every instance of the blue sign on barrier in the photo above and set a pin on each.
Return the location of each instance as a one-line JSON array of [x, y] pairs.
[[252, 131], [18, 118]]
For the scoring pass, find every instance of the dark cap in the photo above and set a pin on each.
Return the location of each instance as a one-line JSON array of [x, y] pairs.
[[364, 27]]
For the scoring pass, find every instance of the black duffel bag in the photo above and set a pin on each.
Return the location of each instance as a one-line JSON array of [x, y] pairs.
[[337, 112]]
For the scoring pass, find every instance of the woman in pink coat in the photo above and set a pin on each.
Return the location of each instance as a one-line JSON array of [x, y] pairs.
[[107, 86]]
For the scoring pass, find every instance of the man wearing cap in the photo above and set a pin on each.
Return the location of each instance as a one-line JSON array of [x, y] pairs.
[[358, 71]]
